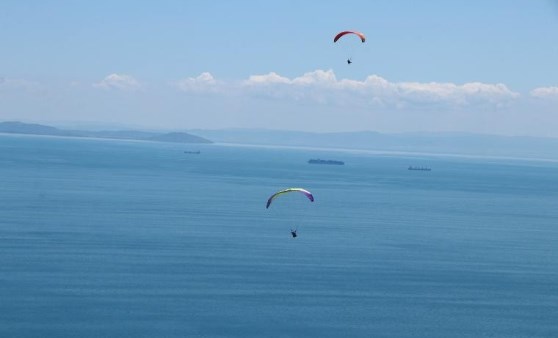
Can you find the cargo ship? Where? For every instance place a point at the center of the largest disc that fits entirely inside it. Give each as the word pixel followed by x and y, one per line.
pixel 319 161
pixel 419 168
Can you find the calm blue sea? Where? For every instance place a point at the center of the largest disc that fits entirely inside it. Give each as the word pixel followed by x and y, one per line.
pixel 106 238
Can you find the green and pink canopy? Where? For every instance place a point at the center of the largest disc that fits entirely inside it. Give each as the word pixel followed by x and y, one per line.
pixel 305 192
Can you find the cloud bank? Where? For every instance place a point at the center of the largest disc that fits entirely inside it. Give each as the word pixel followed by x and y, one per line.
pixel 322 86
pixel 316 100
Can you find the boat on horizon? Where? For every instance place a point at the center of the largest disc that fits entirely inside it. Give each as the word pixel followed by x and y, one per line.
pixel 197 152
pixel 419 168
pixel 320 161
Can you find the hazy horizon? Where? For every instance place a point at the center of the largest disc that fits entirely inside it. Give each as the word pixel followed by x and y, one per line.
pixel 100 126
pixel 448 144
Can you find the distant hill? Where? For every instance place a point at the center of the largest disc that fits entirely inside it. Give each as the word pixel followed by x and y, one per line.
pixel 38 129
pixel 119 134
pixel 179 138
pixel 14 127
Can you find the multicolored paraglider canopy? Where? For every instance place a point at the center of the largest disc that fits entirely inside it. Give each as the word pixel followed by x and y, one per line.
pixel 307 193
pixel 341 34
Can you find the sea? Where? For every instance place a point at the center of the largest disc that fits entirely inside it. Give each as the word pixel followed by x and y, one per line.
pixel 113 238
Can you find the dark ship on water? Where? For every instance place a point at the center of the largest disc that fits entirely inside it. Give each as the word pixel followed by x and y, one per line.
pixel 320 161
pixel 419 168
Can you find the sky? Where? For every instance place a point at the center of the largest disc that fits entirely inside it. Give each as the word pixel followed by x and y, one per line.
pixel 426 66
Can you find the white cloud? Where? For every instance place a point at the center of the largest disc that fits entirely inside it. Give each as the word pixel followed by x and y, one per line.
pixel 324 86
pixel 465 94
pixel 317 78
pixel 310 86
pixel 545 92
pixel 271 78
pixel 205 82
pixel 119 81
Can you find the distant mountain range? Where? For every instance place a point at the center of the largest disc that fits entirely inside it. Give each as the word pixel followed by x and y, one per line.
pixel 38 129
pixel 434 143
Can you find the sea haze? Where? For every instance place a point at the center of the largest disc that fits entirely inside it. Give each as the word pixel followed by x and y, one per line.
pixel 113 238
pixel 435 143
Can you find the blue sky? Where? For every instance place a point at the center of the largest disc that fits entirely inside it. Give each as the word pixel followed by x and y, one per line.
pixel 477 66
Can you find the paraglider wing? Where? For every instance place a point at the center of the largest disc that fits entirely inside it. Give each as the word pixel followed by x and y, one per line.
pixel 306 193
pixel 360 35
